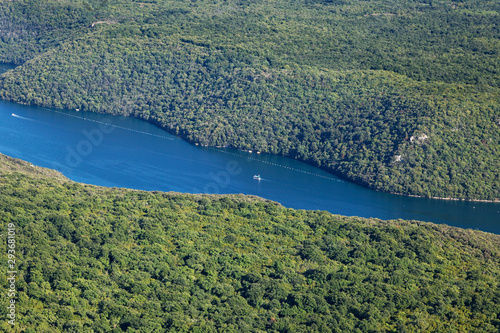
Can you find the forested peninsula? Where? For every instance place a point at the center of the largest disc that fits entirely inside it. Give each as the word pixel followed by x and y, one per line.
pixel 400 96
pixel 96 259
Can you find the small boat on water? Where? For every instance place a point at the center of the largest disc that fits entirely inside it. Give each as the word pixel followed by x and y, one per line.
pixel 257 177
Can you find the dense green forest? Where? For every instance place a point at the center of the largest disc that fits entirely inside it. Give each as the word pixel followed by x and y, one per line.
pixel 95 259
pixel 400 96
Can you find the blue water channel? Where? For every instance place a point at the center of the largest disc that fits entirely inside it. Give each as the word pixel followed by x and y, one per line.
pixel 125 152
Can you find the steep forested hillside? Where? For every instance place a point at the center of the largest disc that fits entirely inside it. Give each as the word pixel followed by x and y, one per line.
pixel 94 259
pixel 402 96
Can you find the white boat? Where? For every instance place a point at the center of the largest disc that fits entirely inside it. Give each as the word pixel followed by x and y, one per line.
pixel 257 177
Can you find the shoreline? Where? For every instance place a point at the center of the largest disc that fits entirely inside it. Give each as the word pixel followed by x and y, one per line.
pixel 184 137
pixel 446 198
pixel 254 151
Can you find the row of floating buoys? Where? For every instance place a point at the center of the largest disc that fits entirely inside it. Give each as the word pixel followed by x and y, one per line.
pixel 117 126
pixel 278 165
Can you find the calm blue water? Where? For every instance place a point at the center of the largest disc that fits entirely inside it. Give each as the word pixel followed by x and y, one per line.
pixel 125 152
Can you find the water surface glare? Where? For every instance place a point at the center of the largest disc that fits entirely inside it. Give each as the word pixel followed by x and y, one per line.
pixel 124 152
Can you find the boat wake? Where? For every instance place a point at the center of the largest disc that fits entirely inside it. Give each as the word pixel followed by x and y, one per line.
pixel 260 179
pixel 21 117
